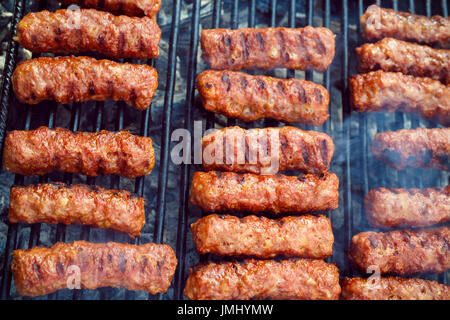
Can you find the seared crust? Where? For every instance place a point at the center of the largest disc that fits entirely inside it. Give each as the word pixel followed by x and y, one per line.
pixel 394 288
pixel 403 252
pixel 378 23
pixel 72 31
pixel 268 48
pixel 248 97
pixel 414 59
pixel 137 8
pixel 229 191
pixel 267 150
pixel 418 148
pixel 77 79
pixel 390 208
pixel 40 270
pixel 44 150
pixel 394 91
pixel 264 279
pixel 117 210
pixel 306 236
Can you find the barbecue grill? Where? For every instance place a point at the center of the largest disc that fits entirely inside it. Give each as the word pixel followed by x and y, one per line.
pixel 176 105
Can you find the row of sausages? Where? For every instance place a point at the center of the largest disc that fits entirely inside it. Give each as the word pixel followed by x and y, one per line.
pixel 399 75
pixel 41 270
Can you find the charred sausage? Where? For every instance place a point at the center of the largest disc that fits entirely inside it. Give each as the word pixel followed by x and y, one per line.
pixel 409 58
pixel 418 148
pixel 72 31
pixel 378 23
pixel 40 270
pixel 307 236
pixel 248 97
pixel 117 210
pixel 403 252
pixel 264 279
pixel 394 91
pixel 390 208
pixel 267 150
pixel 229 191
pixel 268 48
pixel 77 79
pixel 44 150
pixel 394 288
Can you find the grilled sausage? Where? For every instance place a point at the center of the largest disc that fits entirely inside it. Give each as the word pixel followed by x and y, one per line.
pixel 117 210
pixel 247 97
pixel 77 79
pixel 137 8
pixel 394 288
pixel 44 150
pixel 414 59
pixel 306 236
pixel 378 23
pixel 229 191
pixel 267 150
pixel 40 270
pixel 418 148
pixel 72 31
pixel 268 48
pixel 264 279
pixel 394 91
pixel 390 208
pixel 403 252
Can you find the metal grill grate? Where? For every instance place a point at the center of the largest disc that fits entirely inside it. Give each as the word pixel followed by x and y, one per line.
pixel 357 169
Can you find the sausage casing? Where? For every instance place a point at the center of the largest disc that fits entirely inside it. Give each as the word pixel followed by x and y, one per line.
pixel 378 23
pixel 390 208
pixel 403 252
pixel 418 148
pixel 78 79
pixel 44 150
pixel 306 236
pixel 264 279
pixel 394 91
pixel 40 270
pixel 117 210
pixel 267 150
pixel 248 97
pixel 72 31
pixel 268 48
pixel 394 288
pixel 229 191
pixel 414 59
pixel 137 8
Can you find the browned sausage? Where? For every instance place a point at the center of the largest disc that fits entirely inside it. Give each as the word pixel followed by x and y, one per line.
pixel 44 150
pixel 229 191
pixel 248 97
pixel 77 79
pixel 264 279
pixel 72 31
pixel 378 23
pixel 267 150
pixel 148 267
pixel 394 91
pixel 403 252
pixel 414 59
pixel 117 210
pixel 268 48
pixel 418 148
pixel 390 208
pixel 394 288
pixel 129 7
pixel 306 236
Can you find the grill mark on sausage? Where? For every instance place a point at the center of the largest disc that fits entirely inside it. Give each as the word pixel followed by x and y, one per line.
pixel 122 262
pixel 226 79
pixel 260 40
pixel 60 269
pixel 324 151
pixel 101 39
pixel 244 46
pixel 282 43
pixel 243 82
pixel 121 43
pixel 261 83
pixel 302 94
pixel 91 88
pixel 320 46
pixel 37 270
pixel 318 94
